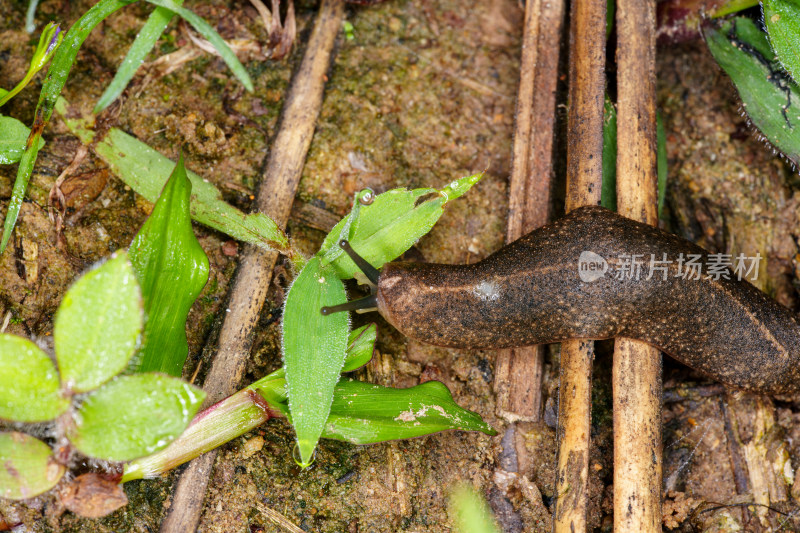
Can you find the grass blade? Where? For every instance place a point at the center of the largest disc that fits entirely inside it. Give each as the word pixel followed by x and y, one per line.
pixel 156 23
pixel 204 29
pixel 62 62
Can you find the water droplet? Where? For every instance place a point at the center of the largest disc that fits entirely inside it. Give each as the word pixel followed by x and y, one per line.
pixel 298 458
pixel 366 196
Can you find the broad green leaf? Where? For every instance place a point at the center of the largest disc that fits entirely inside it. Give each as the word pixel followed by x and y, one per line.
pixel 363 413
pixel 146 171
pixel 769 96
pixel 390 225
pixel 62 62
pixel 205 29
pixel 608 192
pixel 313 350
pixel 133 416
pixel 470 512
pixel 172 269
pixel 27 466
pixel 782 18
pixel 13 136
pixel 145 40
pixel 29 387
pixel 97 325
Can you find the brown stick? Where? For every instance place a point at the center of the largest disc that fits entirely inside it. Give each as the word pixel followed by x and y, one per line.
pixel 636 369
pixel 518 372
pixel 275 194
pixel 584 179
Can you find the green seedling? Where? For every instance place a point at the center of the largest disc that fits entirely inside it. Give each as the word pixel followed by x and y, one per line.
pixel 48 43
pixel 115 418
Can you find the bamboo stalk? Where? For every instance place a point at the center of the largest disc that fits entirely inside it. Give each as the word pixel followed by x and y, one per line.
pixel 518 372
pixel 275 194
pixel 584 180
pixel 636 372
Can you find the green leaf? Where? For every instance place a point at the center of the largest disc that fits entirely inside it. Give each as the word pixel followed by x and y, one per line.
pixel 360 345
pixel 146 171
pixel 97 325
pixel 27 466
pixel 29 387
pixel 172 269
pixel 661 162
pixel 363 413
pixel 313 350
pixel 13 136
pixel 133 416
pixel 782 18
pixel 204 29
pixel 145 41
pixel 62 62
pixel 470 512
pixel 390 225
pixel 608 191
pixel 769 96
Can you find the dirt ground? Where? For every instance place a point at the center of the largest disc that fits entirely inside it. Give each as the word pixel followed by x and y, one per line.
pixel 423 93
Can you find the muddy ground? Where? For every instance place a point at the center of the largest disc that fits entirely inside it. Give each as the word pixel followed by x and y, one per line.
pixel 422 93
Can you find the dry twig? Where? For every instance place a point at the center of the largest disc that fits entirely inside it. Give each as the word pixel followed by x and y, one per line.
pixel 249 290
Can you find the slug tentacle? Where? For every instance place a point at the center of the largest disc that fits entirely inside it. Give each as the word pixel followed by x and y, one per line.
pixel 572 279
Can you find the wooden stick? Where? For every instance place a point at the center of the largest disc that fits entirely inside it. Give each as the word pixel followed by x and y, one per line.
pixel 518 372
pixel 636 372
pixel 584 180
pixel 275 194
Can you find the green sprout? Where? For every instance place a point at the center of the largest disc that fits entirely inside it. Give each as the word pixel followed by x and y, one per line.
pixel 48 43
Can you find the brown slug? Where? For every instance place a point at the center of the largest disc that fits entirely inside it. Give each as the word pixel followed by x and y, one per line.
pixel 531 292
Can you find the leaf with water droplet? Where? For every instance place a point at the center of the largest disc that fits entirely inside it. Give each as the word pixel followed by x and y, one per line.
pixel 172 269
pixel 769 96
pixel 30 390
pixel 314 348
pixel 27 466
pixel 134 416
pixel 97 325
pixel 390 225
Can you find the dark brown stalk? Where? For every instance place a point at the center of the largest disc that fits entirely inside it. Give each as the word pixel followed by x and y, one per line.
pixel 587 45
pixel 275 194
pixel 518 376
pixel 636 372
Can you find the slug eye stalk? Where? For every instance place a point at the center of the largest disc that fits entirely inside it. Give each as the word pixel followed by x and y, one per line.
pixel 361 305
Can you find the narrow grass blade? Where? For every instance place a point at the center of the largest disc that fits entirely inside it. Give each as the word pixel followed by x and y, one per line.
pixel 769 96
pixel 133 416
pixel 62 62
pixel 97 325
pixel 145 40
pixel 172 269
pixel 204 29
pixel 314 348
pixel 30 390
pixel 608 191
pixel 27 466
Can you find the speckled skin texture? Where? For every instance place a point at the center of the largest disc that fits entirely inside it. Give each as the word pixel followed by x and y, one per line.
pixel 530 292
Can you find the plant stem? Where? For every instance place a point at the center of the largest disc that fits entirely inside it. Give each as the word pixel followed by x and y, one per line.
pixel 584 185
pixel 213 427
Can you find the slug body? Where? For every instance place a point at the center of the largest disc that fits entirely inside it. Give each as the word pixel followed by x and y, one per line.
pixel 531 292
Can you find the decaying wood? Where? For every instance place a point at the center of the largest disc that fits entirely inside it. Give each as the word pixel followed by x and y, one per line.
pixel 587 46
pixel 249 290
pixel 636 371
